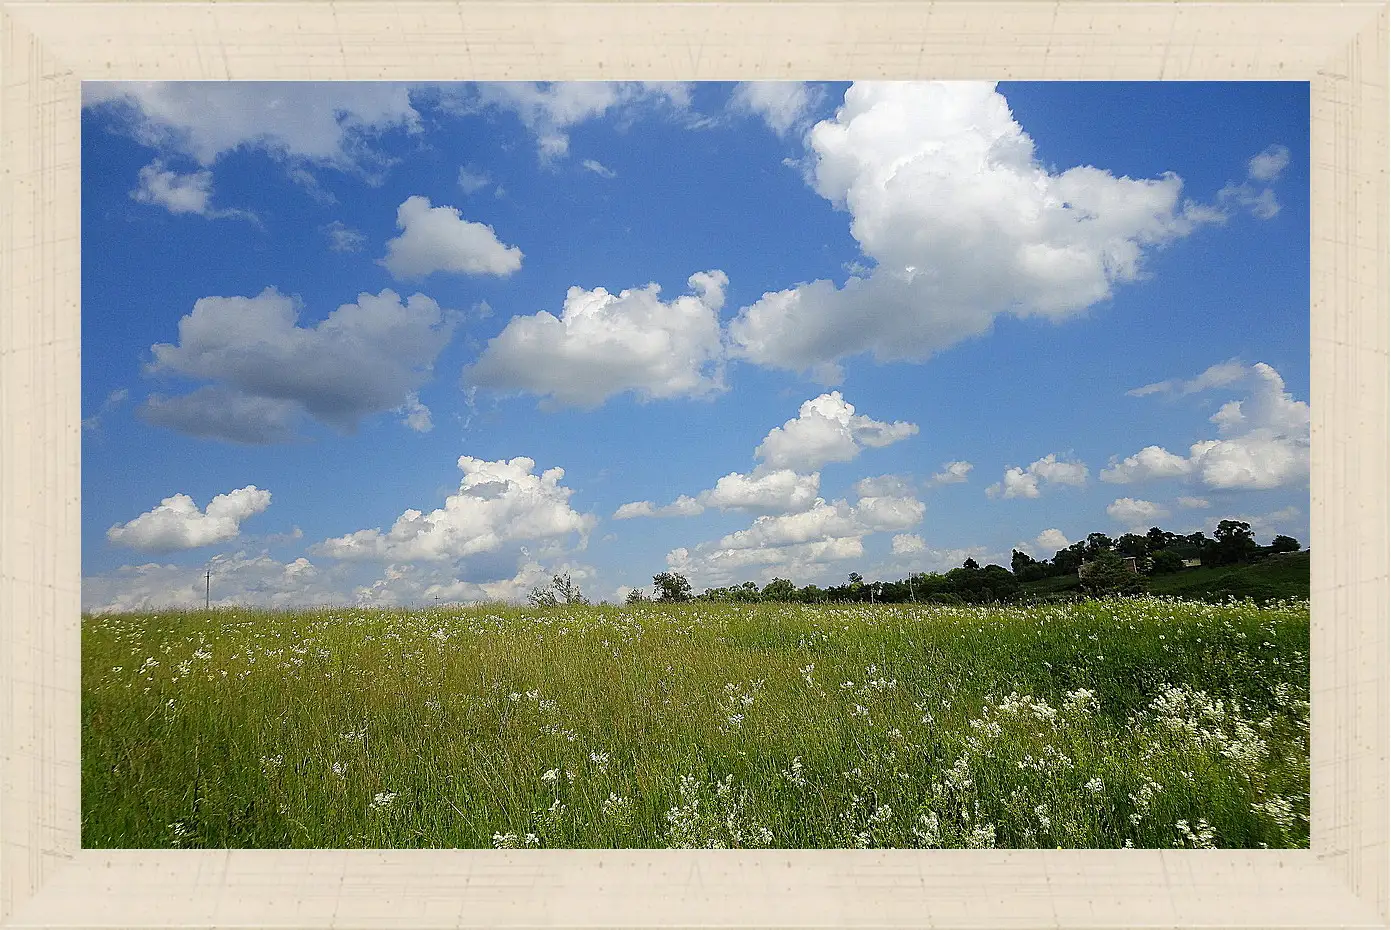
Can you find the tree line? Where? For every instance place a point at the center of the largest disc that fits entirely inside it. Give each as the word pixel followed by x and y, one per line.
pixel 1102 563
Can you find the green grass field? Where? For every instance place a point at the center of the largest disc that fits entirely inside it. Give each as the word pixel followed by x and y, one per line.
pixel 1148 722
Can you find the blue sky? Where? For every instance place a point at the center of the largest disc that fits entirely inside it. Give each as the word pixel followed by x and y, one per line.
pixel 382 343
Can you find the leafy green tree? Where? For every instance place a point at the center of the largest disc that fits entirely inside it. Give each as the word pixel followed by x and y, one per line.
pixel 1233 542
pixel 970 564
pixel 1284 544
pixel 636 596
pixel 562 590
pixel 1097 543
pixel 1165 562
pixel 672 586
pixel 1109 574
pixel 779 589
pixel 1131 544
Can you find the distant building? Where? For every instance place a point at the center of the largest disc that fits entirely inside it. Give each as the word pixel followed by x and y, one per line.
pixel 1192 563
pixel 1129 561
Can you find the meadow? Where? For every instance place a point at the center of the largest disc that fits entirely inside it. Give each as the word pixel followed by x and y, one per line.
pixel 1145 722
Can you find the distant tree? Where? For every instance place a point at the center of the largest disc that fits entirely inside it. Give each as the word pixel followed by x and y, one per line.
pixel 561 591
pixel 1284 544
pixel 1156 539
pixel 1165 562
pixel 779 589
pixel 970 564
pixel 1131 544
pixel 811 594
pixel 1018 561
pixel 1097 543
pixel 672 586
pixel 1109 574
pixel 636 596
pixel 1233 542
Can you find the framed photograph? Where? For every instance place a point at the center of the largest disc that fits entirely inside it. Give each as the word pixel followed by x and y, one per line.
pixel 723 464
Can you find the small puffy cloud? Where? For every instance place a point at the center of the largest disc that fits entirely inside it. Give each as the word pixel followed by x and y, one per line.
pixel 1264 444
pixel 827 429
pixel 1193 503
pixel 177 523
pixel 1024 481
pixel 439 239
pixel 774 491
pixel 1261 204
pixel 959 223
pixel 590 164
pixel 328 123
pixel 604 344
pixel 416 416
pixel 1149 462
pixel 186 193
pixel 1222 374
pixel 1135 513
pixel 908 544
pixel 472 180
pixel 497 503
pixel 952 473
pixel 783 105
pixel 763 491
pixel 366 357
pixel 1268 165
pixel 683 506
pixel 343 238
pixel 1050 541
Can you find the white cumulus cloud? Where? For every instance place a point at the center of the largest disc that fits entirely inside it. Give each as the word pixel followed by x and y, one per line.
pixel 953 473
pixel 181 193
pixel 605 344
pixel 1135 514
pixel 497 503
pixel 961 222
pixel 1019 481
pixel 177 523
pixel 827 429
pixel 364 358
pixel 439 239
pixel 1264 440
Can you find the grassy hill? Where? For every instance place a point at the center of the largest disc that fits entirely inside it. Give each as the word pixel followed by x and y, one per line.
pixel 1279 576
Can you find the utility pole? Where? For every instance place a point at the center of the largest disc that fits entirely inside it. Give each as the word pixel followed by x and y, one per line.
pixel 207 589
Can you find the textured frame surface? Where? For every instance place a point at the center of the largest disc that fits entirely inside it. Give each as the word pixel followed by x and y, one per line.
pixel 47 48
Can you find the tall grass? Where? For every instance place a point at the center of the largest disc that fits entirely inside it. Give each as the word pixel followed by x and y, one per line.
pixel 1147 722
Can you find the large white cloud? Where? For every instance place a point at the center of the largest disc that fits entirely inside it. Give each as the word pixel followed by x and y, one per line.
pixel 962 222
pixel 827 429
pixel 177 523
pixel 364 358
pixel 439 239
pixel 1021 481
pixel 325 122
pixel 1264 439
pixel 497 503
pixel 604 344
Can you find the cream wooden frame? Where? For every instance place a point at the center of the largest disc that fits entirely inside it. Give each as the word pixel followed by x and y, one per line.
pixel 47 47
